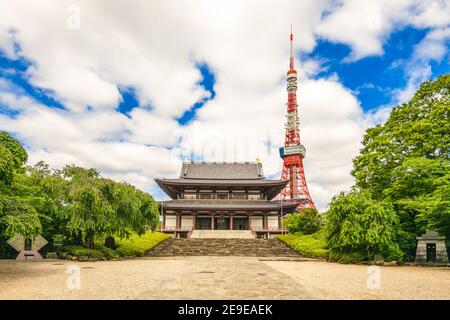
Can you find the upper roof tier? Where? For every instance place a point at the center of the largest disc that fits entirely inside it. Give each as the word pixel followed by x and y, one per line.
pixel 221 176
pixel 223 171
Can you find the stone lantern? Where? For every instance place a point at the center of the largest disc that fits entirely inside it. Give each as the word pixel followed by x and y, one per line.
pixel 431 249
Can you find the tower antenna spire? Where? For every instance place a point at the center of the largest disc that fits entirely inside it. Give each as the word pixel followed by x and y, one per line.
pixel 291 62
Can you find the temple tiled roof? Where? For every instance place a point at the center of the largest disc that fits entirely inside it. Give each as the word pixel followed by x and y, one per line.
pixel 217 170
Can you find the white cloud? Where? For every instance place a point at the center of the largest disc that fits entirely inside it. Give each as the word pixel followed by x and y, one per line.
pixel 432 48
pixel 364 25
pixel 153 48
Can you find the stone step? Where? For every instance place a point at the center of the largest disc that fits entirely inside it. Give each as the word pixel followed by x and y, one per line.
pixel 222 247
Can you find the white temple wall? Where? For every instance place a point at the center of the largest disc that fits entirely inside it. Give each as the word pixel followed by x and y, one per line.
pixel 256 222
pixel 171 221
pixel 272 222
pixel 187 221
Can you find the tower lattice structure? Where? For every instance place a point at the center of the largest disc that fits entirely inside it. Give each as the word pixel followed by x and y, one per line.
pixel 293 151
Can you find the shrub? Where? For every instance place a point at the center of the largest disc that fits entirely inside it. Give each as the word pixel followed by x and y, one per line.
pixel 307 221
pixel 127 251
pixel 79 251
pixel 346 257
pixel 357 223
pixel 407 243
pixel 107 252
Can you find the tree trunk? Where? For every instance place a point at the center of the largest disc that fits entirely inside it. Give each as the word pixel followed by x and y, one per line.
pixel 89 240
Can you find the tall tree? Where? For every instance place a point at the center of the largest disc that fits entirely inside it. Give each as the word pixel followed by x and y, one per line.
pixel 134 209
pixel 87 211
pixel 17 215
pixel 407 160
pixel 419 128
pixel 96 207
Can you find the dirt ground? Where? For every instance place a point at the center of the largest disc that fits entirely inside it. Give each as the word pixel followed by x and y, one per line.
pixel 218 278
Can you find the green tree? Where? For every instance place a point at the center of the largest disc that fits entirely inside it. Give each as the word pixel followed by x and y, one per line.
pixel 87 212
pixel 12 158
pixel 437 214
pixel 406 161
pixel 98 207
pixel 417 129
pixel 17 215
pixel 357 223
pixel 134 209
pixel 76 202
pixel 307 221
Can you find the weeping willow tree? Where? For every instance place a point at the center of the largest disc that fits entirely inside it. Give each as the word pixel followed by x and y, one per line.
pixel 97 207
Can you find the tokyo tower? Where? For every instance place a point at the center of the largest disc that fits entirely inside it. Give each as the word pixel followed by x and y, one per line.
pixel 293 151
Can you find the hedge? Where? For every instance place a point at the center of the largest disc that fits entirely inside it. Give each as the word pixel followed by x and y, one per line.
pixel 311 245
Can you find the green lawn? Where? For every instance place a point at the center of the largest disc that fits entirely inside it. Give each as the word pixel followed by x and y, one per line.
pixel 139 245
pixel 311 245
pixel 315 246
pixel 135 245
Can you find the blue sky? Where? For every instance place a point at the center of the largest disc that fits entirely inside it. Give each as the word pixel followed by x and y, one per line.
pixel 83 84
pixel 373 79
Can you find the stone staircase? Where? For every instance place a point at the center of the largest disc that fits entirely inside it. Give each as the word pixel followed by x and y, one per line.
pixel 222 234
pixel 222 247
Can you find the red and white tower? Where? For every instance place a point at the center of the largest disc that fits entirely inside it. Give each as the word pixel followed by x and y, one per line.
pixel 293 151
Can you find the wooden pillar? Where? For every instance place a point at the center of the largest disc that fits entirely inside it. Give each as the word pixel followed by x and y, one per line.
pixel 266 226
pixel 280 227
pixel 265 221
pixel 194 220
pixel 212 222
pixel 231 221
pixel 249 221
pixel 178 221
pixel 163 227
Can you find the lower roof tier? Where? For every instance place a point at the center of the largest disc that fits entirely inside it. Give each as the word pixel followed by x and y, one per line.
pixel 224 205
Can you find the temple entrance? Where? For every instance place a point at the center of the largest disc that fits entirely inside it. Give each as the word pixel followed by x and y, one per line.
pixel 431 252
pixel 222 223
pixel 203 223
pixel 240 223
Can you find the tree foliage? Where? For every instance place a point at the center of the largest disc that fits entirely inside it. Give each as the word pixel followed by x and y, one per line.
pixel 357 223
pixel 406 161
pixel 417 129
pixel 99 207
pixel 12 158
pixel 307 221
pixel 74 201
pixel 17 215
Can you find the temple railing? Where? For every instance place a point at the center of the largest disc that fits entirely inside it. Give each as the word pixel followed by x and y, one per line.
pixel 255 229
pixel 172 228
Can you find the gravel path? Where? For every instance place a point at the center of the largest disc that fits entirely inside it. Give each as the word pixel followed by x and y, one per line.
pixel 217 278
pixel 326 280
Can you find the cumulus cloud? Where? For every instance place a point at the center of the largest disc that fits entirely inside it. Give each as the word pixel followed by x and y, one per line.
pixel 432 48
pixel 82 52
pixel 364 25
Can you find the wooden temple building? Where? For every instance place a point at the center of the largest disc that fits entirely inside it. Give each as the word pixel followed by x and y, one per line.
pixel 223 196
